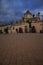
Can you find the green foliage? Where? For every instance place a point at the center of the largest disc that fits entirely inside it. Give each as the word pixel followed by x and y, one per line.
pixel 29 22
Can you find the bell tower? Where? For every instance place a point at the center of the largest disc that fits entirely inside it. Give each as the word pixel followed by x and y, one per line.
pixel 38 16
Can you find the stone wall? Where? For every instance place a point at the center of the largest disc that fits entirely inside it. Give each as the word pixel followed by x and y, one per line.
pixel 12 29
pixel 38 26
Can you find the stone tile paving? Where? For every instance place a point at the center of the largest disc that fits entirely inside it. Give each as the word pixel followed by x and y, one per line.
pixel 21 49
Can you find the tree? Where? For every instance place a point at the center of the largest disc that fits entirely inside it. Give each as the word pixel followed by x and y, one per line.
pixel 29 22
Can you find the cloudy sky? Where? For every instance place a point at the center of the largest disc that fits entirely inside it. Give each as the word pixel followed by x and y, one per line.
pixel 14 9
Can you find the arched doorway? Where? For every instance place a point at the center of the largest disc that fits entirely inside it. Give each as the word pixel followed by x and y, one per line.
pixel 20 30
pixel 16 30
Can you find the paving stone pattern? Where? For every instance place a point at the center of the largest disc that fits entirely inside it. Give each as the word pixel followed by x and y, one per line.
pixel 21 49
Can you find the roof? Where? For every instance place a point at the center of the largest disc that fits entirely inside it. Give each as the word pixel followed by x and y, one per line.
pixel 28 12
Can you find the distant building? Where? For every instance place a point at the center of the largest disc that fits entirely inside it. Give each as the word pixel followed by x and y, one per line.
pixel 35 21
pixel 28 16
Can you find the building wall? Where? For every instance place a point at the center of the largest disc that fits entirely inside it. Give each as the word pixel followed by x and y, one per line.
pixel 12 29
pixel 38 26
pixel 27 16
pixel 22 26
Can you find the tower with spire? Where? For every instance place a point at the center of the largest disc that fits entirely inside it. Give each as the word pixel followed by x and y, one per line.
pixel 27 15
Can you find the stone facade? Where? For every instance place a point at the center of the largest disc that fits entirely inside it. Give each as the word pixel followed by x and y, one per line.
pixel 23 24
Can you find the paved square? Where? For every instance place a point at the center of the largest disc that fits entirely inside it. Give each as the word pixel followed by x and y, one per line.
pixel 21 49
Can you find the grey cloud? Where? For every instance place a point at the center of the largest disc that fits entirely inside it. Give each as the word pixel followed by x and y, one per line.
pixel 14 8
